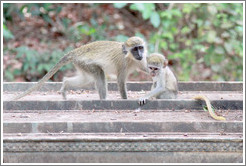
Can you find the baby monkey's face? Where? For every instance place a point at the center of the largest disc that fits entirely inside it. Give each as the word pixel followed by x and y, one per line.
pixel 154 70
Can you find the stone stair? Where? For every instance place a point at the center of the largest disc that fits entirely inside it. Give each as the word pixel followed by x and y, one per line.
pixel 43 128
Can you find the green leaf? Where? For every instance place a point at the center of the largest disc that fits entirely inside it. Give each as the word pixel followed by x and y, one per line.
pixel 17 72
pixel 119 5
pixel 212 9
pixel 25 66
pixel 155 19
pixel 228 47
pixel 7 33
pixel 211 36
pixel 219 50
pixel 164 45
pixel 139 6
pixel 166 14
pixel 176 12
pixel 167 35
pixel 205 108
pixel 148 9
pixel 21 51
pixel 216 68
pixel 58 9
pixel 47 18
pixel 185 30
pixel 187 8
pixel 9 75
pixel 146 15
pixel 46 6
pixel 65 22
pixel 175 56
pixel 140 35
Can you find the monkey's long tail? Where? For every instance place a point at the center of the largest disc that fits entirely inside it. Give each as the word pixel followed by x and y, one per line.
pixel 211 112
pixel 63 61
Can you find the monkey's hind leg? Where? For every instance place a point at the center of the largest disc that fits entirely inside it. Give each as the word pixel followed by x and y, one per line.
pixel 168 95
pixel 97 74
pixel 101 83
pixel 80 80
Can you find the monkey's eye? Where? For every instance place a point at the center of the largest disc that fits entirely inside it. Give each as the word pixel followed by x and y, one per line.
pixel 140 47
pixel 135 49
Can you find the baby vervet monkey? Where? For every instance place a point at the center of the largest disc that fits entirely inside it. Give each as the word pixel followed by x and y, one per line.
pixel 165 85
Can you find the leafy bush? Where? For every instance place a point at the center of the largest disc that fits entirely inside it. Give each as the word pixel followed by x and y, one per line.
pixel 203 41
pixel 207 36
pixel 34 64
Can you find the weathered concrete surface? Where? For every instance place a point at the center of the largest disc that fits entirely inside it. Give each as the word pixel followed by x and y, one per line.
pixel 31 148
pixel 121 121
pixel 134 86
pixel 84 127
pixel 115 95
pixel 126 144
pixel 42 128
pixel 119 105
pixel 123 157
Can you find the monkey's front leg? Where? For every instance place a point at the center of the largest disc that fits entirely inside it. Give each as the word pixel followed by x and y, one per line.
pixel 122 85
pixel 155 92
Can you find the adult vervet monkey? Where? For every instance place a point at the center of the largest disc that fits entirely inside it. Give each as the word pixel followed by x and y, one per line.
pixel 96 59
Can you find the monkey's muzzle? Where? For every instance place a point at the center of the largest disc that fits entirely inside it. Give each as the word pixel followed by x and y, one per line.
pixel 139 58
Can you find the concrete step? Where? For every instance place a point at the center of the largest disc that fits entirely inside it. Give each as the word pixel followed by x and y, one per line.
pixel 220 94
pixel 122 147
pixel 120 105
pixel 44 128
pixel 134 86
pixel 121 121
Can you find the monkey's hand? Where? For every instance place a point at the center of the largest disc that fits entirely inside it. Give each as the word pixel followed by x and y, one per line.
pixel 142 100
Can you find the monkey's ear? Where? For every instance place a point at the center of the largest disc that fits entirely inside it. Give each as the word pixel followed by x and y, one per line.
pixel 165 63
pixel 124 49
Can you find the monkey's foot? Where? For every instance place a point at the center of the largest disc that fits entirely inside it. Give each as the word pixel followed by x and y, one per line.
pixel 64 95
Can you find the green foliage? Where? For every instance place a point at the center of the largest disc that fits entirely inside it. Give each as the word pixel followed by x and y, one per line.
pixel 80 30
pixel 10 9
pixel 155 19
pixel 38 9
pixel 41 9
pixel 34 9
pixel 195 37
pixel 210 34
pixel 35 64
pixel 198 34
pixel 147 10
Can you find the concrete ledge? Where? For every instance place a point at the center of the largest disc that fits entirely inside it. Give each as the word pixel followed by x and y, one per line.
pixel 122 144
pixel 120 105
pixel 123 157
pixel 133 86
pixel 128 149
pixel 117 127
